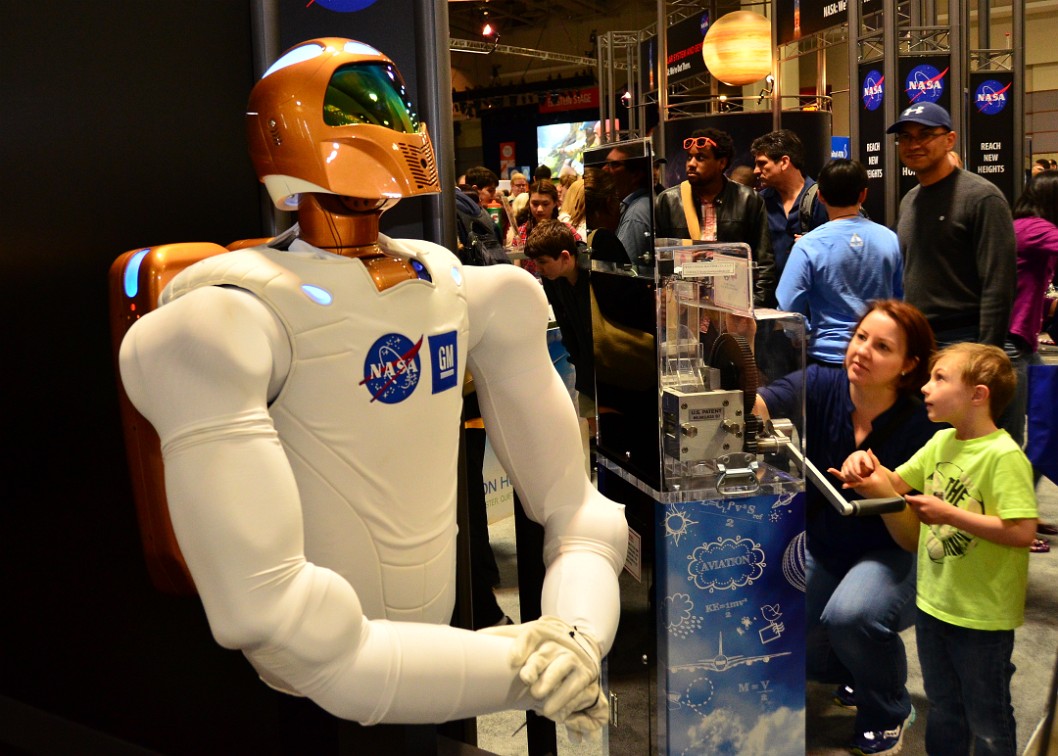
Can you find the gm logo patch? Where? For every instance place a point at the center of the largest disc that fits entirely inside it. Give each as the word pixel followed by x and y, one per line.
pixel 391 368
pixel 445 361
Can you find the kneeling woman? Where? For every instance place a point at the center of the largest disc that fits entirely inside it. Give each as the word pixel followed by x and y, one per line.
pixel 860 584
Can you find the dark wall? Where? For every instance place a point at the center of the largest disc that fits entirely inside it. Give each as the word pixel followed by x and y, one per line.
pixel 813 128
pixel 375 25
pixel 122 126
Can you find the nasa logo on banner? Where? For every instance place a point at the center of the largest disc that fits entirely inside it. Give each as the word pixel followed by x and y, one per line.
pixel 873 90
pixel 392 368
pixel 925 83
pixel 991 97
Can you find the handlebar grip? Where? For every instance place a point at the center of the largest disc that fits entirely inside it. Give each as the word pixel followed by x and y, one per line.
pixel 865 507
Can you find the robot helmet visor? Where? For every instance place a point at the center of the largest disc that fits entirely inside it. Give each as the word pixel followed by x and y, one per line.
pixel 369 93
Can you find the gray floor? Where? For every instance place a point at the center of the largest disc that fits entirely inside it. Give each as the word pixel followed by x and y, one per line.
pixel 829 727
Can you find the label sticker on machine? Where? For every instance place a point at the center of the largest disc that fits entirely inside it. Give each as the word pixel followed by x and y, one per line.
pixel 634 557
pixel 708 269
pixel 705 413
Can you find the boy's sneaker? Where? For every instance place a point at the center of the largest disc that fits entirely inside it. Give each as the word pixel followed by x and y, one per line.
pixel 882 742
pixel 845 697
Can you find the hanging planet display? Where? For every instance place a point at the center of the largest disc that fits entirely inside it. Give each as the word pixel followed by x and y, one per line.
pixel 737 48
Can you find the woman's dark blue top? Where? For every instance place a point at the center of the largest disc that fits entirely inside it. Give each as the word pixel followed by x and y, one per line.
pixel 836 541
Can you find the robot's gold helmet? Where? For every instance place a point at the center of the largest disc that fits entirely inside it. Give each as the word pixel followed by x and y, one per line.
pixel 333 115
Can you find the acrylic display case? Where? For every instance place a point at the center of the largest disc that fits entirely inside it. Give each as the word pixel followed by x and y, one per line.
pixel 710 655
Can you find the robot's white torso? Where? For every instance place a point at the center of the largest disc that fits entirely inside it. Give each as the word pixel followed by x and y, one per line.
pixel 309 432
pixel 374 462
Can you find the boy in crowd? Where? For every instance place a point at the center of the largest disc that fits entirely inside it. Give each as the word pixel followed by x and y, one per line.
pixel 552 247
pixel 972 529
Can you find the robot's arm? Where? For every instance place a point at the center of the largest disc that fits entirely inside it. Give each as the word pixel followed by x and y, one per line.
pixel 202 369
pixel 533 428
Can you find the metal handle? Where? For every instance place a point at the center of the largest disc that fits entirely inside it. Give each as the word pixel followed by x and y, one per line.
pixel 857 508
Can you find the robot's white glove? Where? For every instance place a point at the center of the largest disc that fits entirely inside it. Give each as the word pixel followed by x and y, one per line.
pixel 587 722
pixel 562 668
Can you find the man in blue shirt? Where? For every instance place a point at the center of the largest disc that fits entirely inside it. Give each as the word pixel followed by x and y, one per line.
pixel 778 164
pixel 836 269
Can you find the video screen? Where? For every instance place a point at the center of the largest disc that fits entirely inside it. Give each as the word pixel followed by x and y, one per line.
pixel 560 146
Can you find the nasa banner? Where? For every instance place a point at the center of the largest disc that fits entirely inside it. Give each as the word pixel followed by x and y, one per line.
pixel 800 18
pixel 872 135
pixel 922 79
pixel 685 47
pixel 990 147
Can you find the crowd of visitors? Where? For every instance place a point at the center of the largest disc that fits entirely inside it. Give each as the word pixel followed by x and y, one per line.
pixel 884 412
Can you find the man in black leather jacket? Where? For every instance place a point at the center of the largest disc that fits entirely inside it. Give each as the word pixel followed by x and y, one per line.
pixel 710 207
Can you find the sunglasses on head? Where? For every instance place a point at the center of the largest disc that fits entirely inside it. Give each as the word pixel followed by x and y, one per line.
pixel 700 142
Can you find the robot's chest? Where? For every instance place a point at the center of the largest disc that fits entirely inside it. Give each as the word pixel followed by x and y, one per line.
pixel 385 356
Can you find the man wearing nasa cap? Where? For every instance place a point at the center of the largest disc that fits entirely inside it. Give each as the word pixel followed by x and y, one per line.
pixel 957 238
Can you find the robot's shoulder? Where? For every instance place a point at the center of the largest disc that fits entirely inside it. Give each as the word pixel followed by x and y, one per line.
pixel 426 252
pixel 252 269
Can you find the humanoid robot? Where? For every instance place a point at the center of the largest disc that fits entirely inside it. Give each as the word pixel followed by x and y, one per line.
pixel 307 397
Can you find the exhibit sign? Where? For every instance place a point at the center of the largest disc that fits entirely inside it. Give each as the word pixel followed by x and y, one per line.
pixel 800 18
pixel 685 48
pixel 508 161
pixel 872 142
pixel 648 66
pixel 922 79
pixel 731 595
pixel 990 143
pixel 574 99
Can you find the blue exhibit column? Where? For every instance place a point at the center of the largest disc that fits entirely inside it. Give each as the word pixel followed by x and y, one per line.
pixel 731 618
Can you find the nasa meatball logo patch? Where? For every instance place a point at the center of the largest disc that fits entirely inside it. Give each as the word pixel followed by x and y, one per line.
pixel 392 368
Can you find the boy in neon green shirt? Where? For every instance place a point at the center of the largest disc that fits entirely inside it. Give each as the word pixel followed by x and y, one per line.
pixel 972 528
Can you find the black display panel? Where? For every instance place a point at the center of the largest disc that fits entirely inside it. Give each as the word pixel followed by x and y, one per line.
pixel 990 147
pixel 870 109
pixel 800 18
pixel 924 78
pixel 813 127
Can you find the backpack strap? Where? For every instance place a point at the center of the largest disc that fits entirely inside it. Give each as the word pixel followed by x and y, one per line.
pixel 690 210
pixel 804 209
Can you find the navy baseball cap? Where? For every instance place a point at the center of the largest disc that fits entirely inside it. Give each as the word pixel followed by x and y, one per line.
pixel 925 113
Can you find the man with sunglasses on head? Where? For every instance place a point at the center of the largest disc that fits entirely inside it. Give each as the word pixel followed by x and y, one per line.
pixel 710 207
pixel 956 235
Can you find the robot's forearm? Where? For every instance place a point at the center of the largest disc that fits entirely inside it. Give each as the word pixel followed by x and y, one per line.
pixel 300 624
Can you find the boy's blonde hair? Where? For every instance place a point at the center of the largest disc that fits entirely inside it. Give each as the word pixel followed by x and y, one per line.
pixel 985 365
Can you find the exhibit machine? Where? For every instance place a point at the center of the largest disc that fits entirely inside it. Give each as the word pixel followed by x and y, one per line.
pixel 710 654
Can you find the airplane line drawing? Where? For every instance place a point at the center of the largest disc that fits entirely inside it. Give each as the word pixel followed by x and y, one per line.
pixel 722 662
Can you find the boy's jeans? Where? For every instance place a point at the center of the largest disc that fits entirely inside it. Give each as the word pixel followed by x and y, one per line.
pixel 967 679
